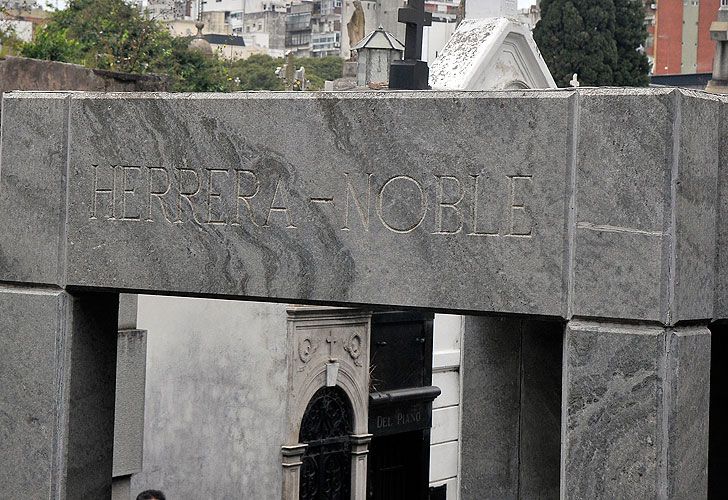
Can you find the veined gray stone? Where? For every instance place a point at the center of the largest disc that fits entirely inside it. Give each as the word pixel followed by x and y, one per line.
pixel 377 198
pixel 296 198
pixel 57 364
pixel 635 417
pixel 722 267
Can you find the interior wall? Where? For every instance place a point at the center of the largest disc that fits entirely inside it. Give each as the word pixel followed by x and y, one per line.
pixel 511 408
pixel 215 398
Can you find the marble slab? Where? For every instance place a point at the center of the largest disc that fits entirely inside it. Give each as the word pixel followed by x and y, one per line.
pixel 613 411
pixel 599 203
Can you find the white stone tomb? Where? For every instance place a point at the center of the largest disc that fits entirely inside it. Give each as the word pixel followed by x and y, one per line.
pixel 490 54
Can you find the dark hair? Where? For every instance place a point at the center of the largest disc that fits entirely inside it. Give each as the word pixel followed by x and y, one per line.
pixel 151 495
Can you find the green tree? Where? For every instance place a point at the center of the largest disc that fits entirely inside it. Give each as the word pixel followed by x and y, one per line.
pixel 114 35
pixel 257 72
pixel 325 68
pixel 631 33
pixel 53 45
pixel 192 71
pixel 597 39
pixel 106 34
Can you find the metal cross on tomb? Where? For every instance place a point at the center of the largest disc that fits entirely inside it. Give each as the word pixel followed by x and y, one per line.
pixel 411 73
pixel 415 17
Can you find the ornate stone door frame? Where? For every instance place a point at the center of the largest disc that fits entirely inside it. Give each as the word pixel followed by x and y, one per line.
pixel 327 346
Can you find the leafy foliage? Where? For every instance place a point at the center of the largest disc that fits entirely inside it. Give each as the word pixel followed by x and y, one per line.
pixel 631 33
pixel 598 39
pixel 114 35
pixel 321 68
pixel 106 34
pixel 257 72
pixel 192 71
pixel 9 42
pixel 53 45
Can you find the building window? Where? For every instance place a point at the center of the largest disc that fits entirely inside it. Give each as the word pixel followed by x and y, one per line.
pixel 297 39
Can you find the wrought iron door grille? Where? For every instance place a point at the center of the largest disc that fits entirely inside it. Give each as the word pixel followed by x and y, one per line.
pixel 326 427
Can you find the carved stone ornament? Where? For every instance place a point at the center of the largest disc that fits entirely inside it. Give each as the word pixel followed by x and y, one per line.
pixel 306 349
pixel 353 347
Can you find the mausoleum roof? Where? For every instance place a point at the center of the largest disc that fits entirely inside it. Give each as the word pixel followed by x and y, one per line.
pixel 379 39
pixel 490 53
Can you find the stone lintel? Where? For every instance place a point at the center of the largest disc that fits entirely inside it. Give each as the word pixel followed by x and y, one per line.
pixel 595 202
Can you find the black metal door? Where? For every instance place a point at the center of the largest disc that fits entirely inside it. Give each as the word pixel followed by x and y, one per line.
pixel 326 427
pixel 395 468
pixel 400 408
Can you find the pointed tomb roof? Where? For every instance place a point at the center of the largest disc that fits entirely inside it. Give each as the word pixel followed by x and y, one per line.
pixel 490 54
pixel 379 39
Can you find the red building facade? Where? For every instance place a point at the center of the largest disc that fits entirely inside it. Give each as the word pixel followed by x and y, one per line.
pixel 679 39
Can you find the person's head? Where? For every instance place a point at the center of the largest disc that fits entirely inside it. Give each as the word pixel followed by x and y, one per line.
pixel 151 495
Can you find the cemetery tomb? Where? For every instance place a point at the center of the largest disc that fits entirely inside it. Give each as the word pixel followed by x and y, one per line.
pixel 596 214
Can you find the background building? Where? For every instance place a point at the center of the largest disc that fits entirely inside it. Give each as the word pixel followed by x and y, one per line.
pixel 326 28
pixel 265 29
pixel 492 8
pixel 211 425
pixel 368 15
pixel 298 29
pixel 679 40
pixel 167 10
pixel 22 18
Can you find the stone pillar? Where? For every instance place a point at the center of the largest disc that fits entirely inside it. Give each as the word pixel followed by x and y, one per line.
pixel 292 461
pixel 359 451
pixel 718 446
pixel 131 358
pixel 635 411
pixel 511 407
pixel 58 368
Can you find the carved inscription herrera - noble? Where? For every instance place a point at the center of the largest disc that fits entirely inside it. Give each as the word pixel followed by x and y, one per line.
pixel 479 204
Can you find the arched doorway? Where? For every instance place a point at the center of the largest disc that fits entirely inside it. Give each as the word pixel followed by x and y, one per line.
pixel 326 428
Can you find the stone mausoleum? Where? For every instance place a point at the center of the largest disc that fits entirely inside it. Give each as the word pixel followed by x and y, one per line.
pixel 581 232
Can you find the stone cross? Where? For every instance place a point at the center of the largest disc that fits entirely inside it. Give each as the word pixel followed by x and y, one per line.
pixel 331 341
pixel 415 17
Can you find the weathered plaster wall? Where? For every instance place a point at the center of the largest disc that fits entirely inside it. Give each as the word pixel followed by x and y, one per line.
pixel 215 398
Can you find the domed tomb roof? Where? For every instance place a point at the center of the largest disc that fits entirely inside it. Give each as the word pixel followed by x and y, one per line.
pixel 198 43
